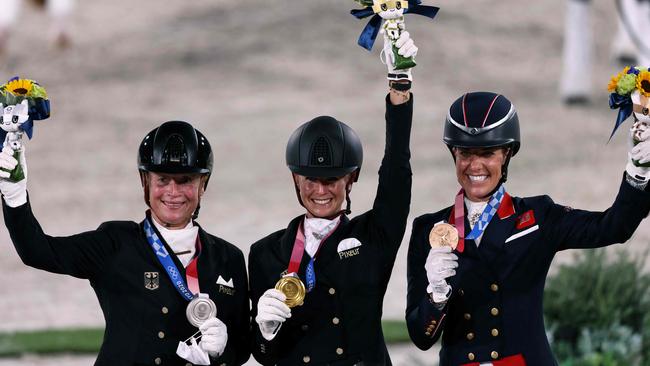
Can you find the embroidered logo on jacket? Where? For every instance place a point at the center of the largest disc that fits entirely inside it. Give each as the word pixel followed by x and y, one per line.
pixel 525 220
pixel 348 248
pixel 226 287
pixel 151 280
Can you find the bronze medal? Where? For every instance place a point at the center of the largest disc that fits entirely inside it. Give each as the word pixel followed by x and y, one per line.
pixel 443 235
pixel 293 288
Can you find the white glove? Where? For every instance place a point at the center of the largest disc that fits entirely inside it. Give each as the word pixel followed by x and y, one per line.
pixel 405 47
pixel 440 265
pixel 640 152
pixel 214 336
pixel 193 352
pixel 15 193
pixel 271 313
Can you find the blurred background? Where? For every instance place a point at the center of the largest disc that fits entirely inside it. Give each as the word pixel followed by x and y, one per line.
pixel 247 73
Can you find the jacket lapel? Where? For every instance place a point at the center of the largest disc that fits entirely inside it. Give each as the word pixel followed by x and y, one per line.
pixel 287 239
pixel 498 230
pixel 287 242
pixel 494 236
pixel 209 270
pixel 502 261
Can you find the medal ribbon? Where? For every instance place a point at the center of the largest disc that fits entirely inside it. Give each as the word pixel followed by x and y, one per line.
pixel 458 216
pixel 165 259
pixel 488 212
pixel 299 249
pixel 192 272
pixel 459 223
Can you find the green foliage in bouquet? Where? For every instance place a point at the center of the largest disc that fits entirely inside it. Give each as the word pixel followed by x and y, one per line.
pixel 597 311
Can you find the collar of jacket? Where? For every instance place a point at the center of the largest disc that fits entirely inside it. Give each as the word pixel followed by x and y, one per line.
pixel 289 237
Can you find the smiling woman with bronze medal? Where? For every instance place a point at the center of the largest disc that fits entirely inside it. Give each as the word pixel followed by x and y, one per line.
pixel 476 269
pixel 158 280
pixel 310 281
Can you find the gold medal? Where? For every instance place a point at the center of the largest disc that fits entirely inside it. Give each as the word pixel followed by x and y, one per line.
pixel 443 235
pixel 293 288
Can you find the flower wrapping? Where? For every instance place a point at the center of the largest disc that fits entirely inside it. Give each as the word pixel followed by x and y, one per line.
pixel 623 86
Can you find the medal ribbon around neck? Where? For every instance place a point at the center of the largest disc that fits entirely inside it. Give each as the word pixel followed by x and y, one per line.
pixel 458 215
pixel 192 271
pixel 168 263
pixel 299 249
pixel 488 212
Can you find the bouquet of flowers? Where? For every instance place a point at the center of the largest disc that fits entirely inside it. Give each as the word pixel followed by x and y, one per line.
pixel 21 102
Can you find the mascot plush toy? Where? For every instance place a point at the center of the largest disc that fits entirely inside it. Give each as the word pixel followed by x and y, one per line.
pixel 391 12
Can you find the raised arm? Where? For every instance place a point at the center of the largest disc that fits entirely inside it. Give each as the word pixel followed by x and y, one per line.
pixel 584 229
pixel 81 255
pixel 391 206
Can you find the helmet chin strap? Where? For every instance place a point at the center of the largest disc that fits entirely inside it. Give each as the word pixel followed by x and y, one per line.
pixel 504 172
pixel 348 202
pixel 504 167
pixel 145 185
pixel 195 215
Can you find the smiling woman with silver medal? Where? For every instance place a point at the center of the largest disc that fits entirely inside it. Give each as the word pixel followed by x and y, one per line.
pixel 159 280
pixel 476 270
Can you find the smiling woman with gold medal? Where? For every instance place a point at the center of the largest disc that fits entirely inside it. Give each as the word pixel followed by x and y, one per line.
pixel 317 286
pixel 476 269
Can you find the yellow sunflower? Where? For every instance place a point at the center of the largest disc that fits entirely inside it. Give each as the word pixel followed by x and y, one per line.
pixel 611 87
pixel 20 86
pixel 643 83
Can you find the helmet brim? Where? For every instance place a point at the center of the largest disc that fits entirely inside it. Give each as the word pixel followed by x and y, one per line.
pixel 322 172
pixel 173 170
pixel 514 145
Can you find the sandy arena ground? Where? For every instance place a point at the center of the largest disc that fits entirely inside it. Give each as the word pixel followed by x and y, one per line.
pixel 247 73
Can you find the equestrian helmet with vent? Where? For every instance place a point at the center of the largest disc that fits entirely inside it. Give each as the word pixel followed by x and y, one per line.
pixel 482 119
pixel 175 147
pixel 324 147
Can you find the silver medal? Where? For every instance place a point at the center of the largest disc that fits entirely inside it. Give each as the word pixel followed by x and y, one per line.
pixel 200 309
